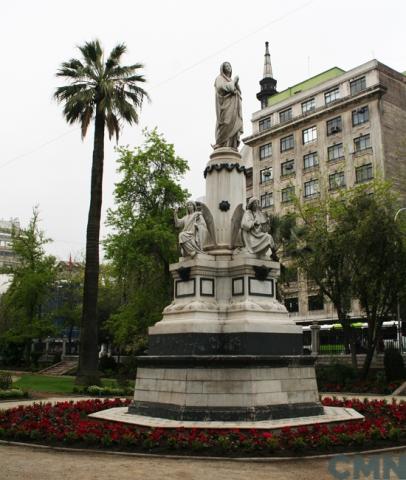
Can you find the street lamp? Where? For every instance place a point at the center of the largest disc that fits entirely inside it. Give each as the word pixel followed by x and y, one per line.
pixel 400 339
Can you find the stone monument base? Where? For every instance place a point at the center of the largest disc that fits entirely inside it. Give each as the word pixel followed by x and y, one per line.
pixel 330 415
pixel 226 387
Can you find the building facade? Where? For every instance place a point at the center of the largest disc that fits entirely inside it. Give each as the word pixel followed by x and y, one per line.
pixel 332 131
pixel 7 256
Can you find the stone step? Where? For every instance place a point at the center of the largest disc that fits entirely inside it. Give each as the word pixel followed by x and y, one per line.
pixel 60 368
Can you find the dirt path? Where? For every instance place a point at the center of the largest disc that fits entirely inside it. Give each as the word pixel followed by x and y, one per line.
pixel 18 463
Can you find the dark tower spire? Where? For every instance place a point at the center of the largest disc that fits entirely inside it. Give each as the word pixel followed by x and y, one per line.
pixel 268 83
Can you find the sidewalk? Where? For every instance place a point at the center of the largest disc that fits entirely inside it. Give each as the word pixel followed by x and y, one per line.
pixel 15 403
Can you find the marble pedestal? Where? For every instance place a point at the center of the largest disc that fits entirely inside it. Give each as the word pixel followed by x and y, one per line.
pixel 225 348
pixel 226 388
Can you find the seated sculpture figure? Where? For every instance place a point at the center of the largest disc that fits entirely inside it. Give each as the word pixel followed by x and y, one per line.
pixel 191 236
pixel 254 229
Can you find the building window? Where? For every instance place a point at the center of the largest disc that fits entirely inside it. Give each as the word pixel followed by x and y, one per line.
pixel 265 151
pixel 332 95
pixel 265 175
pixel 335 152
pixel 287 143
pixel 292 305
pixel 248 177
pixel 311 188
pixel 364 173
pixel 267 200
pixel 308 105
pixel 309 135
pixel 285 115
pixel 310 160
pixel 334 126
pixel 288 194
pixel 360 116
pixel 315 302
pixel 358 85
pixel 264 124
pixel 362 143
pixel 336 180
pixel 287 167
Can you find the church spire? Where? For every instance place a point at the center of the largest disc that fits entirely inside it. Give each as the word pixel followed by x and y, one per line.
pixel 267 62
pixel 268 83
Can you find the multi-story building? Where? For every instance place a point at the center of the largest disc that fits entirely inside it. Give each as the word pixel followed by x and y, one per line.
pixel 331 131
pixel 7 256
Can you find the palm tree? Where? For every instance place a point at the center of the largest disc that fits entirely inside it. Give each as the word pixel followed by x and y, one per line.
pixel 109 93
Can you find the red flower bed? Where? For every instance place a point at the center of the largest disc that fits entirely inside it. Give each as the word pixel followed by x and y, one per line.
pixel 67 423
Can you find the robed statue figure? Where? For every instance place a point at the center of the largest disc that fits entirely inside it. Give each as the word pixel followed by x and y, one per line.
pixel 255 228
pixel 228 109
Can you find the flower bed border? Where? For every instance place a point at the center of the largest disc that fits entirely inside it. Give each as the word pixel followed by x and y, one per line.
pixel 65 426
pixel 103 451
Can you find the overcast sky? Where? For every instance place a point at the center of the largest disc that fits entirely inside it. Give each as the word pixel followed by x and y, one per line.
pixel 182 44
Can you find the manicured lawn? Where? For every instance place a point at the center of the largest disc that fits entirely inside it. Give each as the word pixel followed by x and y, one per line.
pixel 51 384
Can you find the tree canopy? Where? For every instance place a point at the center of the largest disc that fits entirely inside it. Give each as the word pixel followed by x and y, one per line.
pixel 24 313
pixel 351 246
pixel 144 240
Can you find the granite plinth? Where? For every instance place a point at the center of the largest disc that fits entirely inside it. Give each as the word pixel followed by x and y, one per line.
pixel 231 387
pixel 330 415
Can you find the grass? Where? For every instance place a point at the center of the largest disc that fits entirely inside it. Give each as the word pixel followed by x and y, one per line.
pixel 52 384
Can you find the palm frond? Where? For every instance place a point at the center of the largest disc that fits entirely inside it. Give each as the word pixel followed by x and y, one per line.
pixel 113 126
pixel 68 91
pixel 85 118
pixel 112 88
pixel 92 52
pixel 115 55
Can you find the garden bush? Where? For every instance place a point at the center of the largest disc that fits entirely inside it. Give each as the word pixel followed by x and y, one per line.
pixel 394 366
pixel 107 364
pixel 336 374
pixel 12 393
pixel 5 381
pixel 95 390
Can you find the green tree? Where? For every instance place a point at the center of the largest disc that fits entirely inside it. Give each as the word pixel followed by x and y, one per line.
pixel 70 294
pixel 378 257
pixel 351 247
pixel 144 239
pixel 109 93
pixel 320 249
pixel 24 305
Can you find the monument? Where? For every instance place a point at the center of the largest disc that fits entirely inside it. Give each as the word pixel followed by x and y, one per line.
pixel 226 349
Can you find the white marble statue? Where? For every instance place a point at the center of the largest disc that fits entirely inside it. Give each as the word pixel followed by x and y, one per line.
pixel 254 229
pixel 228 109
pixel 192 235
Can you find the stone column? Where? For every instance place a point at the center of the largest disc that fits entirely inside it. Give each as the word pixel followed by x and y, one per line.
pixel 64 343
pixel 47 342
pixel 315 331
pixel 225 190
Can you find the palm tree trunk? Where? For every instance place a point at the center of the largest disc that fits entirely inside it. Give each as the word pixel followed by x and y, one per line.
pixel 88 350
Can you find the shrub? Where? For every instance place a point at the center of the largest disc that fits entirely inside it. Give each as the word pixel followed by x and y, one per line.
pixel 394 366
pixel 34 357
pixel 5 381
pixel 128 368
pixel 12 354
pixel 107 364
pixel 97 391
pixel 336 373
pixel 12 393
